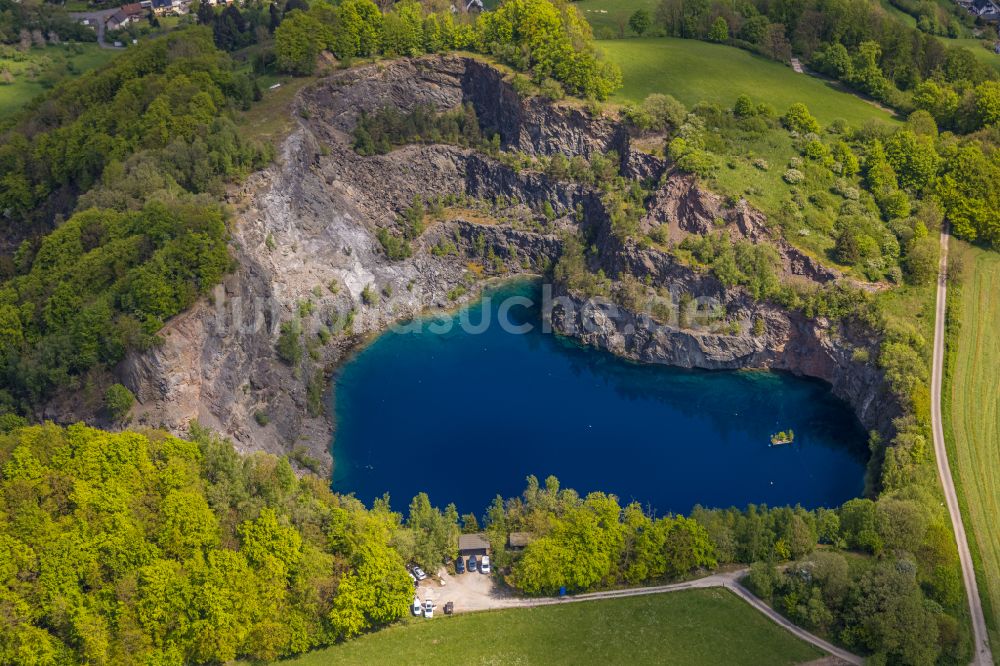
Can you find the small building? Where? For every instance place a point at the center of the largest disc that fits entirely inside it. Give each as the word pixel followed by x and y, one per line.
pixel 118 20
pixel 125 15
pixel 519 540
pixel 467 6
pixel 473 544
pixel 168 7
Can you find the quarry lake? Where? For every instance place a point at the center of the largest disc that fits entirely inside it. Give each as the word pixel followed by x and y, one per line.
pixel 466 416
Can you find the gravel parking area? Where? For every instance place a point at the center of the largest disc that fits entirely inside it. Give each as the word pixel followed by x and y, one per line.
pixel 469 592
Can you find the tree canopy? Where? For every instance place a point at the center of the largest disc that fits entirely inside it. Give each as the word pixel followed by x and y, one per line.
pixel 552 41
pixel 134 548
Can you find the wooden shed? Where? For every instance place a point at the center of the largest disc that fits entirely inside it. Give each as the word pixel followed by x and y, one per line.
pixel 518 540
pixel 473 544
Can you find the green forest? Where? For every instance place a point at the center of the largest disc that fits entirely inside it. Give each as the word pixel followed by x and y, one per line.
pixel 140 547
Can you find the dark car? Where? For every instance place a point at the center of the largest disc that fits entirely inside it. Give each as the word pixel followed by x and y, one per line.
pixel 460 565
pixel 473 565
pixel 449 608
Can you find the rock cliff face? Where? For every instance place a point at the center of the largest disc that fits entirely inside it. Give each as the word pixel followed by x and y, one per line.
pixel 304 239
pixel 787 342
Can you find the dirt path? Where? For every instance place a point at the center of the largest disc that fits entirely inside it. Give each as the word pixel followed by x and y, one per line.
pixel 982 655
pixel 472 592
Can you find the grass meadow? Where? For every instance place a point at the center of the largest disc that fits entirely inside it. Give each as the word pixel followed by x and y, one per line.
pixel 971 412
pixel 694 71
pixel 35 71
pixel 692 627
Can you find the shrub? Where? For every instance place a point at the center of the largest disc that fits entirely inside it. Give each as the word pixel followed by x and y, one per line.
pixel 798 119
pixel 894 204
pixel 289 349
pixel 395 248
pixel 816 150
pixel 314 394
pixel 551 89
pixel 369 296
pixel 300 455
pixel 744 107
pixel 793 176
pixel 118 400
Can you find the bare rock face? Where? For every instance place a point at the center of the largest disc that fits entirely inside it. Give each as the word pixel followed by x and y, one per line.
pixel 304 239
pixel 686 208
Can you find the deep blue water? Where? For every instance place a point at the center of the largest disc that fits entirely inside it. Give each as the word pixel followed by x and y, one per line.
pixel 465 417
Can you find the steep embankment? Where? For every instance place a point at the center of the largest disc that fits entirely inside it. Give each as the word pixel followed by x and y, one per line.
pixel 305 241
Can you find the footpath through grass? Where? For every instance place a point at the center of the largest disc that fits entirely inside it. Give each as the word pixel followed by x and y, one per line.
pixel 971 413
pixel 691 627
pixel 694 71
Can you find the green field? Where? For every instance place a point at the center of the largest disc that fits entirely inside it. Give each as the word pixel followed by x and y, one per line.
pixel 611 18
pixel 972 410
pixel 46 65
pixel 898 14
pixel 692 627
pixel 694 71
pixel 978 49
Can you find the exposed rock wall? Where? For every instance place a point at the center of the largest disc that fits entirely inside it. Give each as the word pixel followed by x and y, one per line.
pixel 687 208
pixel 789 342
pixel 304 238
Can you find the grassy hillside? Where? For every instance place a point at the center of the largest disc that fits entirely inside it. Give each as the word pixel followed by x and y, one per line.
pixel 691 627
pixel 972 410
pixel 693 71
pixel 978 48
pixel 899 14
pixel 51 63
pixel 610 17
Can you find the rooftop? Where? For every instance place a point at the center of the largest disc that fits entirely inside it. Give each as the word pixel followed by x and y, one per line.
pixel 473 542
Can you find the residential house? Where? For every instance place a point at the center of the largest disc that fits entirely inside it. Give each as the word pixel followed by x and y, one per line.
pixel 165 7
pixel 987 10
pixel 126 15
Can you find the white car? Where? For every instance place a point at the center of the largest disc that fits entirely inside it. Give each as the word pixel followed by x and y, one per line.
pixel 419 573
pixel 484 564
pixel 428 609
pixel 417 606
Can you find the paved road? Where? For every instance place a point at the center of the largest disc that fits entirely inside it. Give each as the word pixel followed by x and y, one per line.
pixel 729 581
pixel 97 19
pixel 983 656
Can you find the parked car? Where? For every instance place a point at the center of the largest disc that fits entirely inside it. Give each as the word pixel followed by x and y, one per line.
pixel 449 608
pixel 460 565
pixel 417 606
pixel 472 563
pixel 484 564
pixel 428 609
pixel 419 573
pixel 412 577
